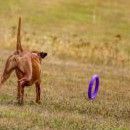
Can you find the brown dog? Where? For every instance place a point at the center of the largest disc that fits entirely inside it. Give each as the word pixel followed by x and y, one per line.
pixel 27 66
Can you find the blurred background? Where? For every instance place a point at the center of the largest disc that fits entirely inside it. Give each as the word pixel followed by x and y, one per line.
pixel 84 30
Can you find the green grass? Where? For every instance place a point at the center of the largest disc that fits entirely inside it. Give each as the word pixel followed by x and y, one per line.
pixel 64 99
pixel 81 40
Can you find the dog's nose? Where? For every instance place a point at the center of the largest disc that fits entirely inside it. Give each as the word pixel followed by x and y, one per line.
pixel 45 54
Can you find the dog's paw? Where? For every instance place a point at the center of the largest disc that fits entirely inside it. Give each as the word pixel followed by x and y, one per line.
pixel 38 102
pixel 20 103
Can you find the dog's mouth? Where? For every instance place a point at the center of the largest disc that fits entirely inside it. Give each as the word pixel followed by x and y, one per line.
pixel 45 54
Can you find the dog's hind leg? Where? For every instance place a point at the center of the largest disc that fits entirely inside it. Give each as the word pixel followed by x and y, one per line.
pixel 9 67
pixel 21 95
pixel 18 91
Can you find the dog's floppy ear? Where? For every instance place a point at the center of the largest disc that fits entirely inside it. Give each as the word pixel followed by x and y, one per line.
pixel 42 54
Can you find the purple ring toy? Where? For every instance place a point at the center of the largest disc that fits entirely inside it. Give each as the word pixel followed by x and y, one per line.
pixel 94 94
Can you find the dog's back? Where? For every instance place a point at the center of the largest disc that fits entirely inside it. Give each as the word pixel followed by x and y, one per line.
pixel 29 64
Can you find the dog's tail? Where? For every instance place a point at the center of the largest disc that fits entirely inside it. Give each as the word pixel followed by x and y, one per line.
pixel 19 47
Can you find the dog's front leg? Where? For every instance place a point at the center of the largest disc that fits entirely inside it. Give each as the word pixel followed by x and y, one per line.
pixel 18 91
pixel 38 92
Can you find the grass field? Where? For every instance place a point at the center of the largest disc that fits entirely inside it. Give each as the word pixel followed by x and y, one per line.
pixel 82 38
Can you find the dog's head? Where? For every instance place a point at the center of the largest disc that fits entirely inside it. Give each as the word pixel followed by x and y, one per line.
pixel 41 55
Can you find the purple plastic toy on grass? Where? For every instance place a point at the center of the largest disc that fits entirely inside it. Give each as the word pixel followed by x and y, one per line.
pixel 94 94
